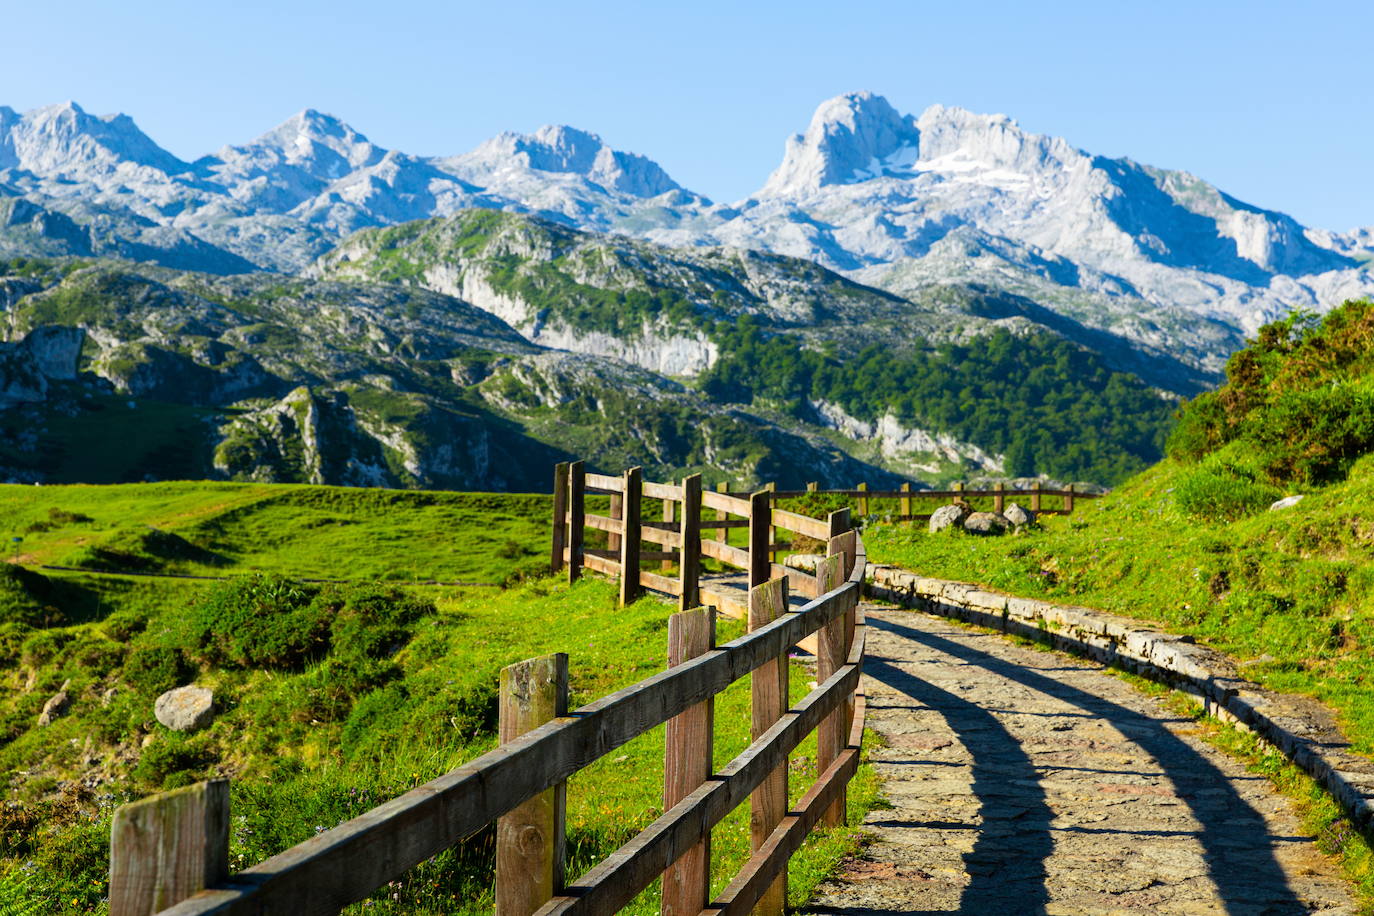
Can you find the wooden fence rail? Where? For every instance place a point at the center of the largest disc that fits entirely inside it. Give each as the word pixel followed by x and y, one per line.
pixel 519 785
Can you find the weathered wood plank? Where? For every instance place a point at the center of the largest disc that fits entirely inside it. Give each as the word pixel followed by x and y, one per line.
pixel 530 838
pixel 667 556
pixel 577 514
pixel 798 582
pixel 687 756
pixel 906 500
pixel 863 498
pixel 596 563
pixel 666 491
pixel 659 582
pixel 660 533
pixel 166 848
pixel 349 862
pixel 625 872
pixel 838 523
pixel 768 691
pixel 630 540
pixel 725 523
pixel 560 516
pixel 605 482
pixel 731 602
pixel 603 523
pixel 689 564
pixel 719 550
pixel 723 502
pixel 802 524
pixel 844 545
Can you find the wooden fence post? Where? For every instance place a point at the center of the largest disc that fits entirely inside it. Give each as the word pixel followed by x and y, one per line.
pixel 560 515
pixel 906 500
pixel 760 518
pixel 863 500
pixel 687 752
pixel 165 848
pixel 768 687
pixel 1068 499
pixel 630 544
pixel 1035 497
pixel 958 488
pixel 689 567
pixel 813 486
pixel 577 517
pixel 831 737
pixel 998 498
pixel 771 487
pixel 530 838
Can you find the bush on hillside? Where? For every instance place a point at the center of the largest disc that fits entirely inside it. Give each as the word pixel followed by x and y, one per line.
pixel 1224 487
pixel 259 621
pixel 153 670
pixel 1300 396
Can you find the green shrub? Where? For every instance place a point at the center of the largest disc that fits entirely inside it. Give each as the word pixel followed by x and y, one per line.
pixel 153 670
pixel 42 646
pixel 376 715
pixel 123 625
pixel 172 760
pixel 1215 492
pixel 260 621
pixel 12 636
pixel 1299 397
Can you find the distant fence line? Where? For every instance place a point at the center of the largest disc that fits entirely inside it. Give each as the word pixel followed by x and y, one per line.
pixel 169 853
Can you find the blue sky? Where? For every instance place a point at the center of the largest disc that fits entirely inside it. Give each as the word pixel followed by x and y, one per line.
pixel 1272 103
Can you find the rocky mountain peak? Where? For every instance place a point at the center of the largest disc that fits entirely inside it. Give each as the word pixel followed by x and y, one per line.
pixel 561 149
pixel 318 144
pixel 64 138
pixel 992 141
pixel 852 137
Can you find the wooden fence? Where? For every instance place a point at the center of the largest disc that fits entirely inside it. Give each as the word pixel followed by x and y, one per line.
pixel 169 853
pixel 995 498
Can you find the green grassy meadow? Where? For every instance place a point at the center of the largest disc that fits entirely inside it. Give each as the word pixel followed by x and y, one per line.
pixel 332 697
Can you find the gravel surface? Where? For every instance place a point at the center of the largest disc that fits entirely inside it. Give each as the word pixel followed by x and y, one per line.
pixel 1023 781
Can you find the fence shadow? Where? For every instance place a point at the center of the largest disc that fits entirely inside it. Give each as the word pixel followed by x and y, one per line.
pixel 1236 841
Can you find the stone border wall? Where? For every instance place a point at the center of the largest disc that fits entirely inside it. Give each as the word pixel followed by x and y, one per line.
pixel 1301 728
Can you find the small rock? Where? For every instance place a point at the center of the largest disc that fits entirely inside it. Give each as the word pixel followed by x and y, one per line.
pixel 56 707
pixel 986 523
pixel 1018 515
pixel 108 696
pixel 1287 501
pixel 946 517
pixel 185 709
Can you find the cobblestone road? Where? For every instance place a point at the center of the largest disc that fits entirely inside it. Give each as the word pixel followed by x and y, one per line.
pixel 1022 781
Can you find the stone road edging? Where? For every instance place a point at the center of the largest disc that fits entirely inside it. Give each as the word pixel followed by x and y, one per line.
pixel 1301 728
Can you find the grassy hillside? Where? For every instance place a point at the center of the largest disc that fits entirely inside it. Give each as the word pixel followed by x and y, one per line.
pixel 331 697
pixel 1192 546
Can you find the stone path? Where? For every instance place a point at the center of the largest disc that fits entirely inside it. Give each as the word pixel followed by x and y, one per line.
pixel 1023 781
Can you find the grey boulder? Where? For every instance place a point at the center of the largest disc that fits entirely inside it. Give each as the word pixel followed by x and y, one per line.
pixel 986 523
pixel 56 707
pixel 1287 502
pixel 185 709
pixel 1018 515
pixel 946 517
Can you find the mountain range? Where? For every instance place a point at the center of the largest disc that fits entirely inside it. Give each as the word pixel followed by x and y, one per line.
pixel 895 201
pixel 906 297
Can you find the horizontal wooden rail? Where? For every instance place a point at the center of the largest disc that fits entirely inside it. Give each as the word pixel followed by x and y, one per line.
pixel 605 482
pixel 602 523
pixel 802 524
pixel 667 491
pixel 661 533
pixel 724 502
pixel 719 550
pixel 666 584
pixel 929 494
pixel 601 564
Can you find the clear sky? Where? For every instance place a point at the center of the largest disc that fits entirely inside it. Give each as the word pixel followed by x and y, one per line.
pixel 1272 102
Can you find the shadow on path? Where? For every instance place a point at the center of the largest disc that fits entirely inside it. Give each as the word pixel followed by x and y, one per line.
pixel 1006 866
